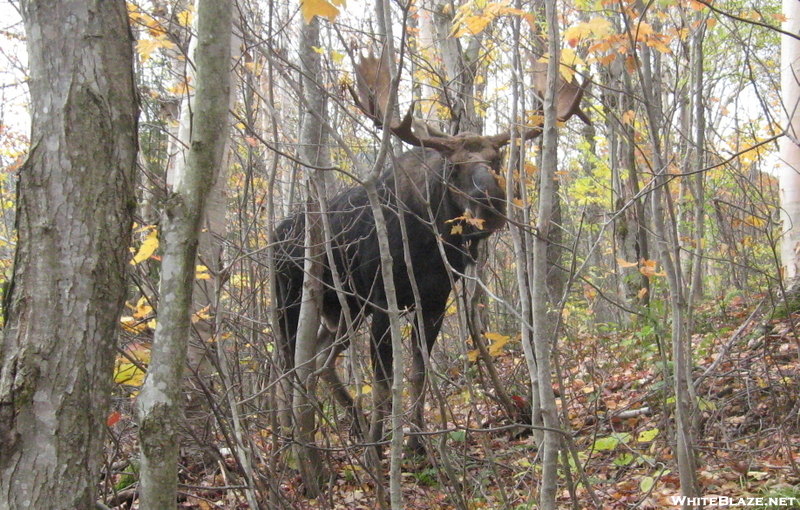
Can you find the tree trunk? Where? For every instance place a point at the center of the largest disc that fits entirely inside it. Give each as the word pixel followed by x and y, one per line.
pixel 159 403
pixel 543 325
pixel 790 144
pixel 202 347
pixel 313 152
pixel 458 69
pixel 668 250
pixel 75 199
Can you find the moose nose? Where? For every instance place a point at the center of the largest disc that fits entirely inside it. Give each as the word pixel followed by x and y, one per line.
pixel 487 190
pixel 489 198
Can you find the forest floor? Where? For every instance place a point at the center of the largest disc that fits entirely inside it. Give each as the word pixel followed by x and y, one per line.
pixel 748 374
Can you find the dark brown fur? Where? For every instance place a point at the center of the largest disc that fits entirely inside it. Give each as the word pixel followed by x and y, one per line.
pixel 431 189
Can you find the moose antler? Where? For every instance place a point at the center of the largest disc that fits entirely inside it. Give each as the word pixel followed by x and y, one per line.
pixel 371 96
pixel 570 93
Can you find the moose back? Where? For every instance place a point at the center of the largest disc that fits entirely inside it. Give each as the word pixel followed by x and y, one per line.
pixel 448 197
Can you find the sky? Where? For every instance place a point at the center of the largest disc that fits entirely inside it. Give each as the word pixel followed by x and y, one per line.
pixel 14 116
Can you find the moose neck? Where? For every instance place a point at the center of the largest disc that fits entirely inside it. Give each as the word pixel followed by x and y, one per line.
pixel 421 178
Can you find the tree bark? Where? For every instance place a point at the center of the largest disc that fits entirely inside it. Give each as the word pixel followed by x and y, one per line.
pixel 74 217
pixel 543 325
pixel 666 245
pixel 314 152
pixel 790 144
pixel 159 403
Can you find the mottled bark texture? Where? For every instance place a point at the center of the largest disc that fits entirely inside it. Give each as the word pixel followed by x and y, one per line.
pixel 75 199
pixel 159 404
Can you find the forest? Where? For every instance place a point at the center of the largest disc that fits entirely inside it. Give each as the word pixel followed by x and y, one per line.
pixel 231 231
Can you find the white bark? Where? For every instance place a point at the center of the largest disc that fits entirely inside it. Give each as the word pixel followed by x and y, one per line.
pixel 790 144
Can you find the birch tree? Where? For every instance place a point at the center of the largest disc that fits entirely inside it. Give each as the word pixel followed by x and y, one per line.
pixel 542 323
pixel 790 144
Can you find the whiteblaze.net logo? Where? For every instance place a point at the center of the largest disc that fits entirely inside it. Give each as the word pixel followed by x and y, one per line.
pixel 725 501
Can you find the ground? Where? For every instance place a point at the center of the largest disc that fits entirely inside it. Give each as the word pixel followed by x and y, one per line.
pixel 746 365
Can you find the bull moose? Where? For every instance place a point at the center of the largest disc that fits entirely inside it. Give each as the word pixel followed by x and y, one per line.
pixel 448 193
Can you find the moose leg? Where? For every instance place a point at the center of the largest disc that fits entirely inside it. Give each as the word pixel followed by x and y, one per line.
pixel 382 370
pixel 330 347
pixel 329 350
pixel 284 357
pixel 432 322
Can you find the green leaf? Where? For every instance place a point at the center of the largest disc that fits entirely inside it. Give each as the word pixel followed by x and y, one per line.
pixel 606 443
pixel 624 459
pixel 647 435
pixel 623 437
pixel 646 484
pixel 458 435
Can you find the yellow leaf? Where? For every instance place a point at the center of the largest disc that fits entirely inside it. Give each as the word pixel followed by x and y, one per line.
pixel 128 373
pixel 201 273
pixel 577 32
pixel 472 355
pixel 181 88
pixel 628 117
pixel 648 268
pixel 498 342
pixel 142 308
pixel 643 30
pixel 477 24
pixel 321 8
pixel 202 314
pixel 642 293
pixel 599 26
pixel 185 18
pixel 624 263
pixel 476 222
pixel 148 247
pixel 658 45
pixel 456 230
pixel 569 61
pixel 132 325
pixel 146 47
pixel 755 221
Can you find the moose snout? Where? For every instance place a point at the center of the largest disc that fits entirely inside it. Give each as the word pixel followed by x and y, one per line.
pixel 488 199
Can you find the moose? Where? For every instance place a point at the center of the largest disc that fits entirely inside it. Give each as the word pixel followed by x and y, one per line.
pixel 447 190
